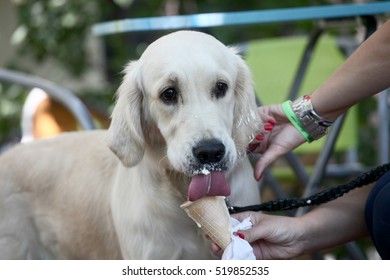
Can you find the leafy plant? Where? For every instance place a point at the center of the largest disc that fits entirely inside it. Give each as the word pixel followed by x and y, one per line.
pixel 56 29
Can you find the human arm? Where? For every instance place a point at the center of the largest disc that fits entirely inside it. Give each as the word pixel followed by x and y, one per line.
pixel 363 74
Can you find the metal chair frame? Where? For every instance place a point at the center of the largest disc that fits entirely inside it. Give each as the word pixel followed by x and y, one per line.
pixel 60 94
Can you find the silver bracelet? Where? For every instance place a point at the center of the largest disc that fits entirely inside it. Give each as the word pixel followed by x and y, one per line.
pixel 312 123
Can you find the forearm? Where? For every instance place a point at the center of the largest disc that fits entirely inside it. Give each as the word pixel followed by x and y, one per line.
pixel 336 222
pixel 364 73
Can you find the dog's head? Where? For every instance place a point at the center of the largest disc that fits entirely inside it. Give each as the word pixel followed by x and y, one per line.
pixel 190 98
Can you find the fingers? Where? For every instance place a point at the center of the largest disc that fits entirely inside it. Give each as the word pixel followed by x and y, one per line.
pixel 264 161
pixel 254 217
pixel 253 233
pixel 243 215
pixel 266 118
pixel 262 144
pixel 258 145
pixel 216 250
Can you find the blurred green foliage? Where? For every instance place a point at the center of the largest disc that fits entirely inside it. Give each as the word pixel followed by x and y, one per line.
pixel 58 29
pixel 11 102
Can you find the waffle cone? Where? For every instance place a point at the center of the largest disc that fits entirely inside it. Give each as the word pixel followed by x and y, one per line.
pixel 212 216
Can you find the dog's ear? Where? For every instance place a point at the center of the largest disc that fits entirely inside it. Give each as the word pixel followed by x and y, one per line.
pixel 125 134
pixel 246 119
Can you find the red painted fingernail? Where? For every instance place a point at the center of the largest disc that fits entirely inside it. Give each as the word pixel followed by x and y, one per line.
pixel 252 147
pixel 241 235
pixel 271 122
pixel 268 126
pixel 260 137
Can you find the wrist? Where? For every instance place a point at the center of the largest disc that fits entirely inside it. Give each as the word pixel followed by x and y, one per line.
pixel 305 119
pixel 324 110
pixel 308 236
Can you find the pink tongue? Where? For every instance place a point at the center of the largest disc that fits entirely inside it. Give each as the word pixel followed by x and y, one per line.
pixel 212 184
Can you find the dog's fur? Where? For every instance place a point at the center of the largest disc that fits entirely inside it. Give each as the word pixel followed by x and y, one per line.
pixel 75 197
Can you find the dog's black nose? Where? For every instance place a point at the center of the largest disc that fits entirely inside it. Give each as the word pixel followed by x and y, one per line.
pixel 209 151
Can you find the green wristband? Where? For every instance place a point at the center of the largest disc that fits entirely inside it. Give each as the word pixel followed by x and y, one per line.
pixel 286 106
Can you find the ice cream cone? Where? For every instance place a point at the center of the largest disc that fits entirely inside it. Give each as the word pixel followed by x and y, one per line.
pixel 212 216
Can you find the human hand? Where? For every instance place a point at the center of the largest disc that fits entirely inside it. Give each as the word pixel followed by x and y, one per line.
pixel 278 138
pixel 271 237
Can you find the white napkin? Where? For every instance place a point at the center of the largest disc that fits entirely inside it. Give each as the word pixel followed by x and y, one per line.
pixel 239 249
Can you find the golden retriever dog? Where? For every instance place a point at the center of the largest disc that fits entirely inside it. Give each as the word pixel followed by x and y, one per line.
pixel 184 115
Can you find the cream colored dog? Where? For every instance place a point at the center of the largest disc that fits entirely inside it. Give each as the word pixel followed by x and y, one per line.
pixel 184 116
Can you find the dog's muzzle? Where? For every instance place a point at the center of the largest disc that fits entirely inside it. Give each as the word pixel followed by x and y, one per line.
pixel 208 175
pixel 209 153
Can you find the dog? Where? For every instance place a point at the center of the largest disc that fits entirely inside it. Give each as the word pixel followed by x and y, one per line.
pixel 184 115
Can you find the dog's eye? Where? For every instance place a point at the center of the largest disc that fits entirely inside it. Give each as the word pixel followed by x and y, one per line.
pixel 220 89
pixel 169 96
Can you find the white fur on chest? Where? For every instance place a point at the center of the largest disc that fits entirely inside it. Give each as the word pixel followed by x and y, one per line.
pixel 150 211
